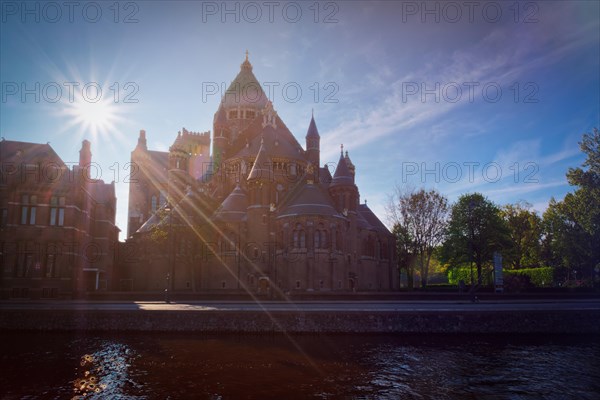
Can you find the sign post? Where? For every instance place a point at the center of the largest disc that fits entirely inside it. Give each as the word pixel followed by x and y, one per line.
pixel 498 280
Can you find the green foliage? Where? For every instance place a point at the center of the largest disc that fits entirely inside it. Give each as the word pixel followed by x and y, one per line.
pixel 422 215
pixel 404 252
pixel 572 226
pixel 525 230
pixel 539 277
pixel 463 272
pixel 475 231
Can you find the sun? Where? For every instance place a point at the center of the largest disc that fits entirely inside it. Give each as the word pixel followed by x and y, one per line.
pixel 95 118
pixel 93 115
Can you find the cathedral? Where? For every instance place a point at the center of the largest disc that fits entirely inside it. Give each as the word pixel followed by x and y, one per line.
pixel 258 214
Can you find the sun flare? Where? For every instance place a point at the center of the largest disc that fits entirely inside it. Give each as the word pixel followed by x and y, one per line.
pixel 95 118
pixel 93 114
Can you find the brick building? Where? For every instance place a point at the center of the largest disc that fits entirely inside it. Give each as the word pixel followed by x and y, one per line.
pixel 260 216
pixel 57 226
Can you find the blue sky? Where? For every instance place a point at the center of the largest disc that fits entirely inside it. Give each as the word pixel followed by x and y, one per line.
pixel 392 69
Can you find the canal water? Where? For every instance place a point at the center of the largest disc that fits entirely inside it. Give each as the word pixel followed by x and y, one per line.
pixel 186 366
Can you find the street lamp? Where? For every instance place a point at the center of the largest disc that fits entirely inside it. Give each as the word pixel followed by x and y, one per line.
pixel 169 212
pixel 167 299
pixel 471 234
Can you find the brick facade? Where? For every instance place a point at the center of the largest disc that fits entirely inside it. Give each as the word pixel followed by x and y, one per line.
pixel 261 216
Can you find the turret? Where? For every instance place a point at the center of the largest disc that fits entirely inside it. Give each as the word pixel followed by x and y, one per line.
pixel 178 155
pixel 351 166
pixel 221 136
pixel 342 187
pixel 313 145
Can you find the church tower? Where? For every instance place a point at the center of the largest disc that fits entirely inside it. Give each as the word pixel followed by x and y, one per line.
pixel 345 196
pixel 138 189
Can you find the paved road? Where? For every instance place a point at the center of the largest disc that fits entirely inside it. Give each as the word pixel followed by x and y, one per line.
pixel 333 306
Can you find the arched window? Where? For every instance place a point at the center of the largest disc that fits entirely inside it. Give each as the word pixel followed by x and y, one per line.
pixel 384 251
pixel 322 234
pixel 369 247
pixel 299 237
pixel 317 239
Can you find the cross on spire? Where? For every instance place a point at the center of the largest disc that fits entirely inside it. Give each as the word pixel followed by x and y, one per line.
pixel 246 54
pixel 342 149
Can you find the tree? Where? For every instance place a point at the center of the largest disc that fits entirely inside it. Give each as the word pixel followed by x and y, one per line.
pixel 475 231
pixel 572 226
pixel 423 215
pixel 404 253
pixel 525 231
pixel 565 245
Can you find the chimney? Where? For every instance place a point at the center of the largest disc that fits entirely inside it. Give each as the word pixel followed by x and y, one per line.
pixel 142 140
pixel 85 154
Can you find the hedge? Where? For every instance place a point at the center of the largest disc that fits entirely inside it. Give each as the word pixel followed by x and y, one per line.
pixel 457 274
pixel 539 277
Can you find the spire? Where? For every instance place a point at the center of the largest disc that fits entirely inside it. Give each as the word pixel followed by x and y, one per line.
pixel 342 175
pixel 313 145
pixel 351 166
pixel 261 170
pixel 312 132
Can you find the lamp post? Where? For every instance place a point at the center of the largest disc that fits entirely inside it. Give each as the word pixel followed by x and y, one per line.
pixel 167 299
pixel 471 234
pixel 170 242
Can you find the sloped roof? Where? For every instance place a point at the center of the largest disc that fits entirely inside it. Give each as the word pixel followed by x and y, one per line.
pixel 150 223
pixel 28 153
pixel 245 90
pixel 280 142
pixel 362 223
pixel 342 175
pixel 262 168
pixel 372 219
pixel 325 176
pixel 310 199
pixel 234 207
pixel 193 207
pixel 312 129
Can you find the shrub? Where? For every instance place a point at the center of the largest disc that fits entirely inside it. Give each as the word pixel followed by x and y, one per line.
pixel 538 277
pixel 456 274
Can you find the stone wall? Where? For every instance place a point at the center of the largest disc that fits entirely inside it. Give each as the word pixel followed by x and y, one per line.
pixel 584 321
